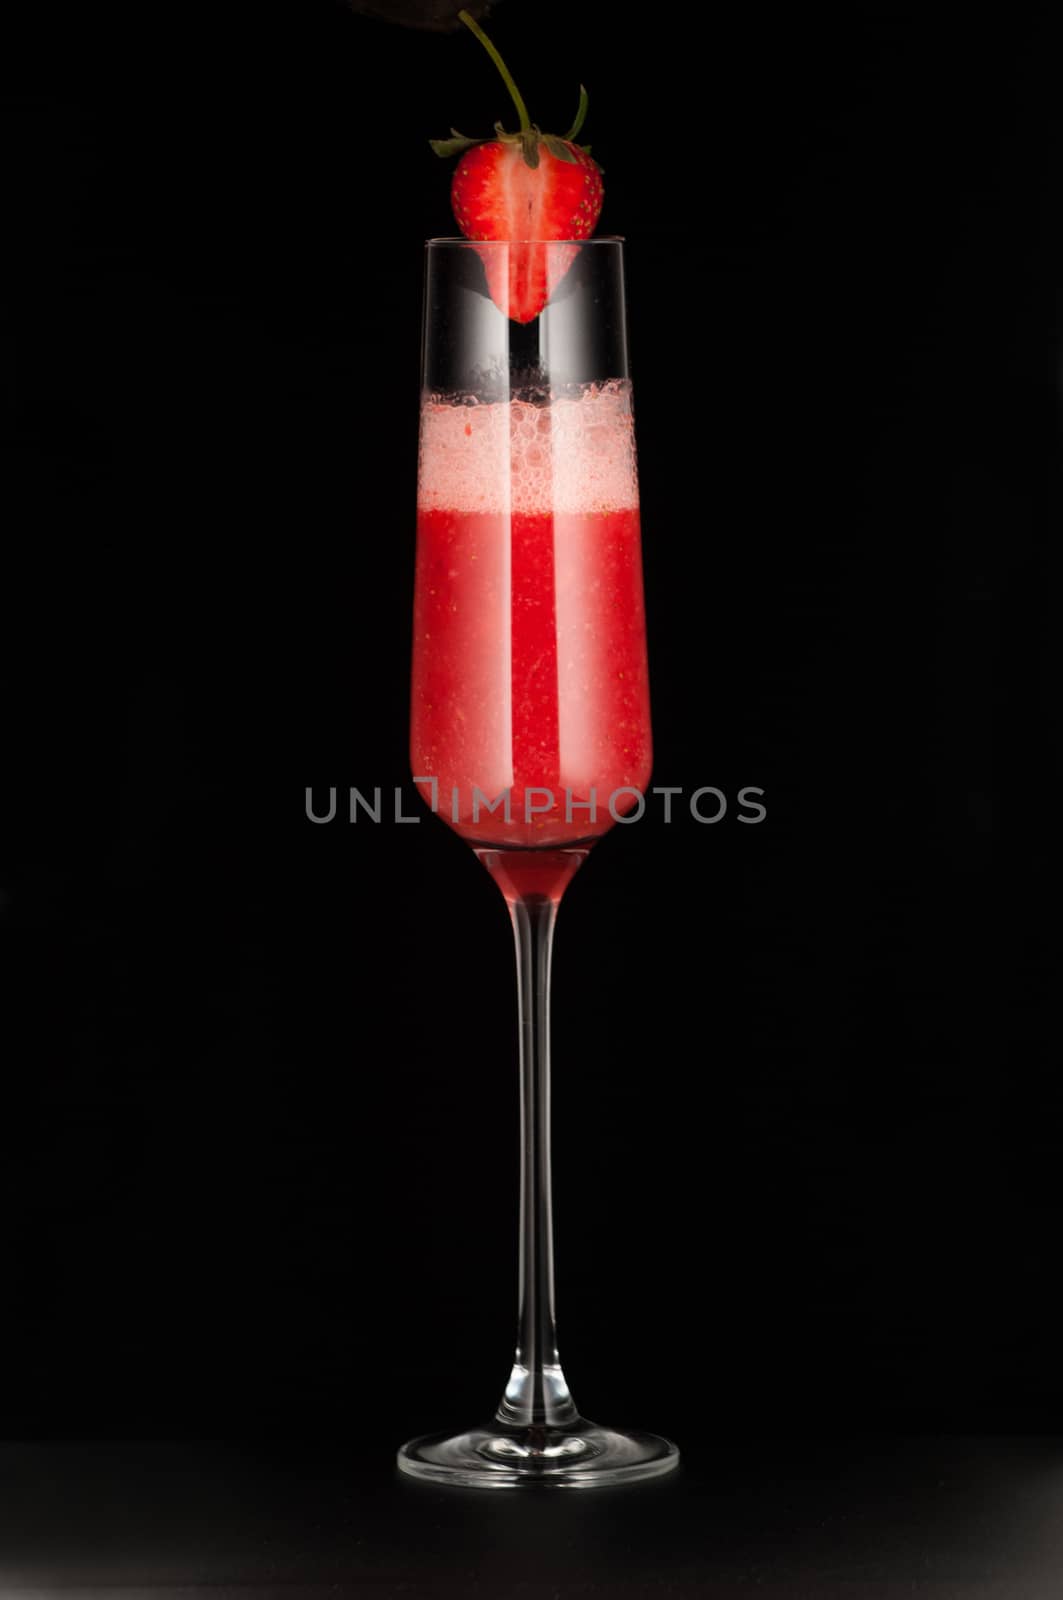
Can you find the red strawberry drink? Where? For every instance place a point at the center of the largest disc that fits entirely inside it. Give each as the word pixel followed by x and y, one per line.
pixel 530 688
pixel 530 725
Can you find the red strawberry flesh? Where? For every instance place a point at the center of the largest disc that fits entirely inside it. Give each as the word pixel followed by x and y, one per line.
pixel 497 196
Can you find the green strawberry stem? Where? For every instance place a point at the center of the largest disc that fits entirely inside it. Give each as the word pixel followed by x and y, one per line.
pixel 507 79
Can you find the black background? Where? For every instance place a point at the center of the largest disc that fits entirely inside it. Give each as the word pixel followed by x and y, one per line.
pixel 259 1165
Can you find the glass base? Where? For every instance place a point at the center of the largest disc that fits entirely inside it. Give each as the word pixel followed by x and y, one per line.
pixel 579 1456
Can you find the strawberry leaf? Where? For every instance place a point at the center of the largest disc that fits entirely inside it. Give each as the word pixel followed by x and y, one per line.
pixel 454 146
pixel 558 148
pixel 581 114
pixel 529 140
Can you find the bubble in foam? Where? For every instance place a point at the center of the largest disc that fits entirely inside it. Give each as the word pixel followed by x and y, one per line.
pixel 574 454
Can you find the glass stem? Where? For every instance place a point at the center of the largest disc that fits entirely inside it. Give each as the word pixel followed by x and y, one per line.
pixel 537 1394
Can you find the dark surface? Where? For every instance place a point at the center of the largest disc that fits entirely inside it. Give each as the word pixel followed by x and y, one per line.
pixel 955 1519
pixel 258 1133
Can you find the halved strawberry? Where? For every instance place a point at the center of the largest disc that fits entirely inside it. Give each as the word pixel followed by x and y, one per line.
pixel 526 188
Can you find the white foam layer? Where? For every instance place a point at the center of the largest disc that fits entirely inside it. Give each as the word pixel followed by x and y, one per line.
pixel 573 455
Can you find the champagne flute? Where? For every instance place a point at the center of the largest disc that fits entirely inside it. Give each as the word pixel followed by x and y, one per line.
pixel 530 715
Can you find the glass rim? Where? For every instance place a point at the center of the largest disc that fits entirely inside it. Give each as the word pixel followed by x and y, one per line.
pixel 494 244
